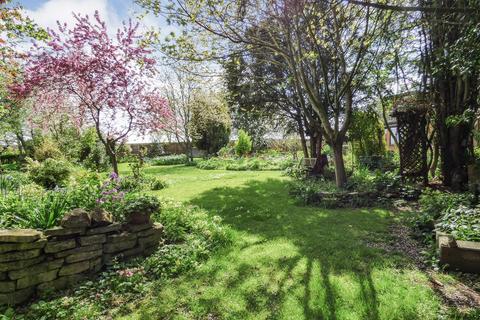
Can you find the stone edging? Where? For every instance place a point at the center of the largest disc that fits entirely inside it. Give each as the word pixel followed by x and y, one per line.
pixel 457 254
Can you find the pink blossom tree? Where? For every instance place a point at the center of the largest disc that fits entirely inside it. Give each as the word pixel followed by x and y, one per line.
pixel 96 79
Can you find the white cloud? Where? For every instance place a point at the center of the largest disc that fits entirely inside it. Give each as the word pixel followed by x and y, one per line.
pixel 52 11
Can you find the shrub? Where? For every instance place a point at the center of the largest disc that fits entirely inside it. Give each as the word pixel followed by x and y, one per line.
pixel 244 144
pixel 47 149
pixel 91 152
pixel 324 193
pixel 130 184
pixel 226 152
pixel 297 172
pixel 433 204
pixel 96 158
pixel 210 123
pixel 366 134
pixel 135 203
pixel 84 191
pixel 436 202
pixel 169 160
pixel 209 164
pixel 49 173
pixel 462 223
pixel 9 157
pixel 307 190
pixel 157 183
pixel 136 166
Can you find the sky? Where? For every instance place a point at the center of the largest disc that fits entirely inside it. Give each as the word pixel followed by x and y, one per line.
pixel 47 12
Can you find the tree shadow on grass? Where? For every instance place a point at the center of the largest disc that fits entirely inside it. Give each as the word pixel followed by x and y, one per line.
pixel 295 262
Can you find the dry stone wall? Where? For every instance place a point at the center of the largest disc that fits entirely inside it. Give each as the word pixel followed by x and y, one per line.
pixel 34 262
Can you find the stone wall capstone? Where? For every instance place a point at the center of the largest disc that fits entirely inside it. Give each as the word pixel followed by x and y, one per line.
pixel 33 263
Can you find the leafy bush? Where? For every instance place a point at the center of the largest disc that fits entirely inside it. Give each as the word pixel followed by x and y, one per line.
pixel 436 202
pixel 307 190
pixel 226 152
pixel 209 164
pixel 49 173
pixel 363 180
pixel 433 204
pixel 169 160
pixel 130 184
pixel 296 171
pixel 96 158
pixel 462 223
pixel 47 149
pixel 325 194
pixel 142 203
pixel 90 151
pixel 364 188
pixel 366 134
pixel 157 183
pixel 136 167
pixel 244 144
pixel 84 191
pixel 9 157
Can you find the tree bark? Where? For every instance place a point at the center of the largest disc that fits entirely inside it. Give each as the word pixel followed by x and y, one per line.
pixel 112 154
pixel 340 172
pixel 303 140
pixel 435 156
pixel 189 150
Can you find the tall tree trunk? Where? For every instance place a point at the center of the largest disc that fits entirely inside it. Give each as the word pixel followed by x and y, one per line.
pixel 113 159
pixel 303 140
pixel 313 143
pixel 340 172
pixel 321 160
pixel 21 143
pixel 318 145
pixel 435 156
pixel 189 150
pixel 112 154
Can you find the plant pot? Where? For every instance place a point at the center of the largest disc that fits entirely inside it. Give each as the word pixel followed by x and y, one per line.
pixel 139 218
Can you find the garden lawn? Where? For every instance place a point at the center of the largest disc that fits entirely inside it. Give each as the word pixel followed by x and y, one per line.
pixel 288 261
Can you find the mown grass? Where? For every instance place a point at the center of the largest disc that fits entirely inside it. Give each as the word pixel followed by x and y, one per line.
pixel 288 261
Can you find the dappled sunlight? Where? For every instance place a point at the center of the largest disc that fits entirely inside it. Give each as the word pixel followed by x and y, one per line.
pixel 295 262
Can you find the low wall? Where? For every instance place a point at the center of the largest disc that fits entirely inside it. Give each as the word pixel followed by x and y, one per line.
pixel 458 255
pixel 36 262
